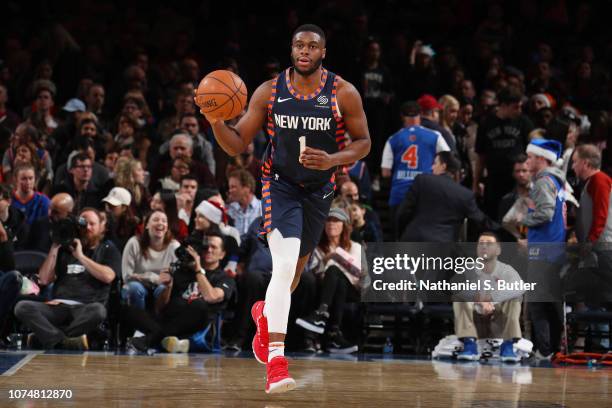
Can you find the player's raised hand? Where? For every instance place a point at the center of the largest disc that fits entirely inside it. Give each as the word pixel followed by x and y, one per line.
pixel 316 159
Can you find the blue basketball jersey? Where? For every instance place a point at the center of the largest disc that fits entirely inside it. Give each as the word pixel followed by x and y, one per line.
pixel 290 116
pixel 414 150
pixel 551 232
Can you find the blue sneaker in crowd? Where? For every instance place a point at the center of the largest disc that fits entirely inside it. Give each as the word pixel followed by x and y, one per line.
pixel 507 354
pixel 470 350
pixel 198 340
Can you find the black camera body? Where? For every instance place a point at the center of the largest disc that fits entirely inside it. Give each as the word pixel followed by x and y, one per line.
pixel 183 258
pixel 66 230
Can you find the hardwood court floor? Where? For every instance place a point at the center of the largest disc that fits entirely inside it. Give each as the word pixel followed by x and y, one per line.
pixel 177 381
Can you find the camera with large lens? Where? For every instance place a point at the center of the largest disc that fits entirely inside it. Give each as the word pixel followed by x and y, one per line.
pixel 184 260
pixel 66 230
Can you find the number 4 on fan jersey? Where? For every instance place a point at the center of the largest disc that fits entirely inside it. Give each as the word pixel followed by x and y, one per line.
pixel 411 157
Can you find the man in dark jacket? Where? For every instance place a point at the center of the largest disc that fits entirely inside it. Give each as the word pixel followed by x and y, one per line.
pixel 436 205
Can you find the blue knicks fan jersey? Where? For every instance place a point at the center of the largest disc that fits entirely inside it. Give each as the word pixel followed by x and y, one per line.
pixel 414 150
pixel 290 116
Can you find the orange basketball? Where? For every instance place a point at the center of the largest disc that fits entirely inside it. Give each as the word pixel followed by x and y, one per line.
pixel 222 95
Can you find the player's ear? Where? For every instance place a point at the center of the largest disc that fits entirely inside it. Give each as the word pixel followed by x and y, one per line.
pixel 323 51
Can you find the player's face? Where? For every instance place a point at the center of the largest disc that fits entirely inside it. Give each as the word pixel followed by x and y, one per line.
pixel 307 52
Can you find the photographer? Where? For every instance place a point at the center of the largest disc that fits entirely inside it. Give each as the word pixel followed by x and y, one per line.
pixel 145 257
pixel 82 273
pixel 60 208
pixel 197 289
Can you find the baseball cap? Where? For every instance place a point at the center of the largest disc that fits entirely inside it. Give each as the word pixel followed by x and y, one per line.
pixel 339 214
pixel 569 116
pixel 428 103
pixel 118 196
pixel 427 50
pixel 75 105
pixel 410 108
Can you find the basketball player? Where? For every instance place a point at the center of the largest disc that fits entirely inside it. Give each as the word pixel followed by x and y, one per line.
pixel 304 101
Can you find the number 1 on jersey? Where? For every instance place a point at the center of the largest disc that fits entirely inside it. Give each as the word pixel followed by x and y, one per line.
pixel 411 157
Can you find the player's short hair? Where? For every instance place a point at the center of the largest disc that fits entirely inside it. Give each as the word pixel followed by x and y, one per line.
pixel 311 28
pixel 591 154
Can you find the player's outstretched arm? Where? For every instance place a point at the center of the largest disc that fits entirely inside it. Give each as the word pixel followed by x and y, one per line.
pixel 234 140
pixel 356 124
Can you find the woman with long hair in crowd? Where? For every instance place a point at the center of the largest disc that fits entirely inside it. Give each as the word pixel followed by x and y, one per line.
pixel 144 257
pixel 130 175
pixel 26 134
pixel 211 216
pixel 121 224
pixel 450 111
pixel 337 261
pixel 166 202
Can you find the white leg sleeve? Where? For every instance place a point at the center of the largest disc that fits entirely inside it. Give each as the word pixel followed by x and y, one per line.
pixel 285 254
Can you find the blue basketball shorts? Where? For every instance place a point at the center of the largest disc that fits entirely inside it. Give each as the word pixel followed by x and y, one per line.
pixel 296 211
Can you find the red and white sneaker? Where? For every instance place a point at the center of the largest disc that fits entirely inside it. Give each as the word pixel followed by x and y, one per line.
pixel 279 379
pixel 261 338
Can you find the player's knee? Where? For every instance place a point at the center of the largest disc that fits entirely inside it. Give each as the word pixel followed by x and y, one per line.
pixel 286 265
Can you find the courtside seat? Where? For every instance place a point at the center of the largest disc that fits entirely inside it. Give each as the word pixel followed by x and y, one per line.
pixel 394 320
pixel 592 325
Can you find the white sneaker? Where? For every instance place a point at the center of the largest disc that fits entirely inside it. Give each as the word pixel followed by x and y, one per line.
pixel 172 344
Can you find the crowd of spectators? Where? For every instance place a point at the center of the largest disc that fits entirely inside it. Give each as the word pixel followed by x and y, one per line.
pixel 99 130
